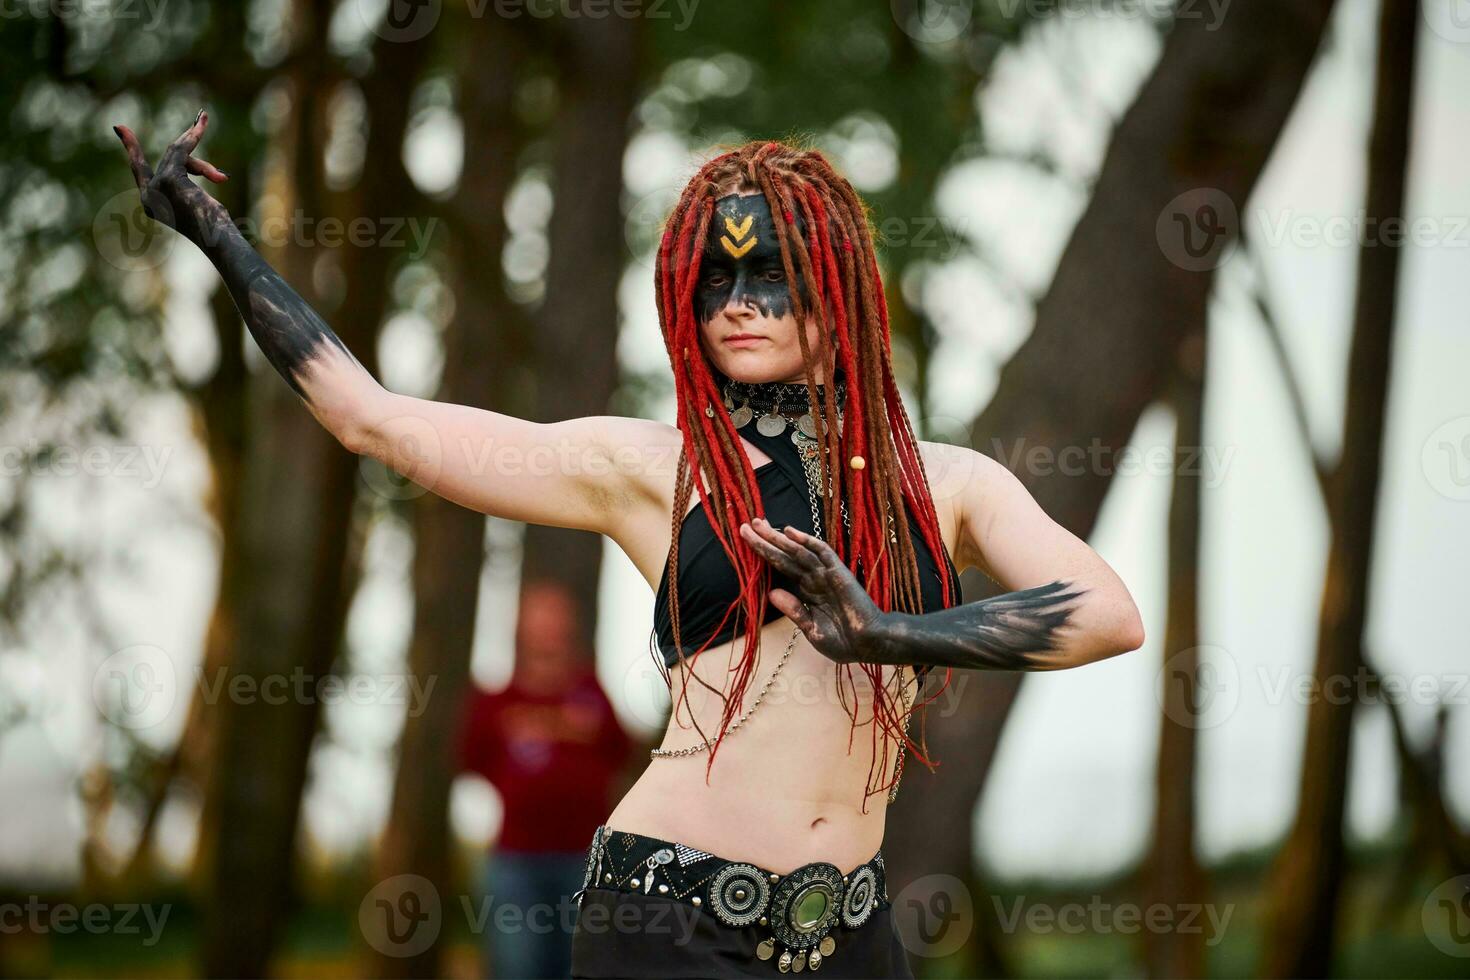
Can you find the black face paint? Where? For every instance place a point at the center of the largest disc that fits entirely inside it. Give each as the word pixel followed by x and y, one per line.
pixel 742 260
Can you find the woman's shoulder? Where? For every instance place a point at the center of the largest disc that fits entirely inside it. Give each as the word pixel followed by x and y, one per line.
pixel 632 430
pixel 961 480
pixel 953 469
pixel 646 450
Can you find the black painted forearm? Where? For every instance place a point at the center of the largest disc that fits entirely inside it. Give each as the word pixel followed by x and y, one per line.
pixel 1016 631
pixel 289 332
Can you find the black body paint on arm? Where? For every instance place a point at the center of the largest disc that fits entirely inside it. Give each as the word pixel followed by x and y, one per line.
pixel 290 333
pixel 1016 631
pixel 742 260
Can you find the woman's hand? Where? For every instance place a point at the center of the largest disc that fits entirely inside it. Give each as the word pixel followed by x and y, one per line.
pixel 166 192
pixel 293 337
pixel 838 616
pixel 1023 630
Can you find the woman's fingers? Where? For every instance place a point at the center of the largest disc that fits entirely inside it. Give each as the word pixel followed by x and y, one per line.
pixel 793 608
pixel 142 173
pixel 778 558
pixel 206 170
pixel 190 137
pixel 178 151
pixel 177 154
pixel 798 553
pixel 818 547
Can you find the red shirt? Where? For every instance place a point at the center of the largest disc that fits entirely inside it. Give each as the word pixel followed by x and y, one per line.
pixel 552 758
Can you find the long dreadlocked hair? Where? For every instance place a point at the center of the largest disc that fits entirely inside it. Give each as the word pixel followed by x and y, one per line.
pixel 836 262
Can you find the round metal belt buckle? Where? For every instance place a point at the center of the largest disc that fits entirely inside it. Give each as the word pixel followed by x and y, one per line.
pixel 805 907
pixel 801 909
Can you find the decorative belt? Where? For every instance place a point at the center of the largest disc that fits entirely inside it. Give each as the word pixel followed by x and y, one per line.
pixel 802 910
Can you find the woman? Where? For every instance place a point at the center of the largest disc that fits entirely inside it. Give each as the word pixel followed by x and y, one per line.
pixel 773 313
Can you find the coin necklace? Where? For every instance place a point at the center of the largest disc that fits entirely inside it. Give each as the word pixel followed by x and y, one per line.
pixel 804 436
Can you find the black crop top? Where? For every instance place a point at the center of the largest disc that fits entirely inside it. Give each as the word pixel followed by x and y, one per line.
pixel 707 581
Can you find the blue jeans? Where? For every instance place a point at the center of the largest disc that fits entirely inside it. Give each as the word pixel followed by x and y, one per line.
pixel 528 935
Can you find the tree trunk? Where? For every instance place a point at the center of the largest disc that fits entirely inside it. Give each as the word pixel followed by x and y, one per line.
pixel 449 539
pixel 1173 877
pixel 575 345
pixel 220 421
pixel 1307 878
pixel 294 581
pixel 1129 285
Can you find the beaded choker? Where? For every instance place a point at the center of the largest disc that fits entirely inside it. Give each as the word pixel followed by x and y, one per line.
pixel 776 404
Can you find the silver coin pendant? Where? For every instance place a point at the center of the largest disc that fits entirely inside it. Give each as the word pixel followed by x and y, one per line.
pixel 771 425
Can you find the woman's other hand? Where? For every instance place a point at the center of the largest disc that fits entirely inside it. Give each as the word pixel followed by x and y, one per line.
pixel 837 614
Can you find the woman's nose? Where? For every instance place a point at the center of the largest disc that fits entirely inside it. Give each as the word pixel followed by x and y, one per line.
pixel 739 307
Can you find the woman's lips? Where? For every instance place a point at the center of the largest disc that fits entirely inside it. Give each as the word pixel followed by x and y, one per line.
pixel 743 340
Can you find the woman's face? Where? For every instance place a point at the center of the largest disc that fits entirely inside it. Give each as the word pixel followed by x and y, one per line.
pixel 747 327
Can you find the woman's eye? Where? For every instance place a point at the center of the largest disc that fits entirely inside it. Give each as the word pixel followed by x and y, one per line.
pixel 773 275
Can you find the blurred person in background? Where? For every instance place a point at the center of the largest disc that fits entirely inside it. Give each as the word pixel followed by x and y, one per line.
pixel 552 747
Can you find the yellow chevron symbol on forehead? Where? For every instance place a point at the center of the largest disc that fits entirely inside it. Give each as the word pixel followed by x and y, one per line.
pixel 738 248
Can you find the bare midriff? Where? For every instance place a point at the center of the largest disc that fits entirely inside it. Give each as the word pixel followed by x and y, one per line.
pixel 786 788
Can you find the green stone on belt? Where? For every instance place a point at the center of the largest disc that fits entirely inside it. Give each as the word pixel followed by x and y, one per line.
pixel 811 908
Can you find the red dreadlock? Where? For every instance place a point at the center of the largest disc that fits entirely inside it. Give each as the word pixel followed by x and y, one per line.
pixel 837 263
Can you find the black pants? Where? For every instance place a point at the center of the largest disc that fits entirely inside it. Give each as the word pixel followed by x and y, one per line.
pixel 623 933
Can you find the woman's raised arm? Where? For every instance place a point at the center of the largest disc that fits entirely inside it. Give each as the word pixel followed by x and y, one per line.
pixel 296 341
pixel 583 473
